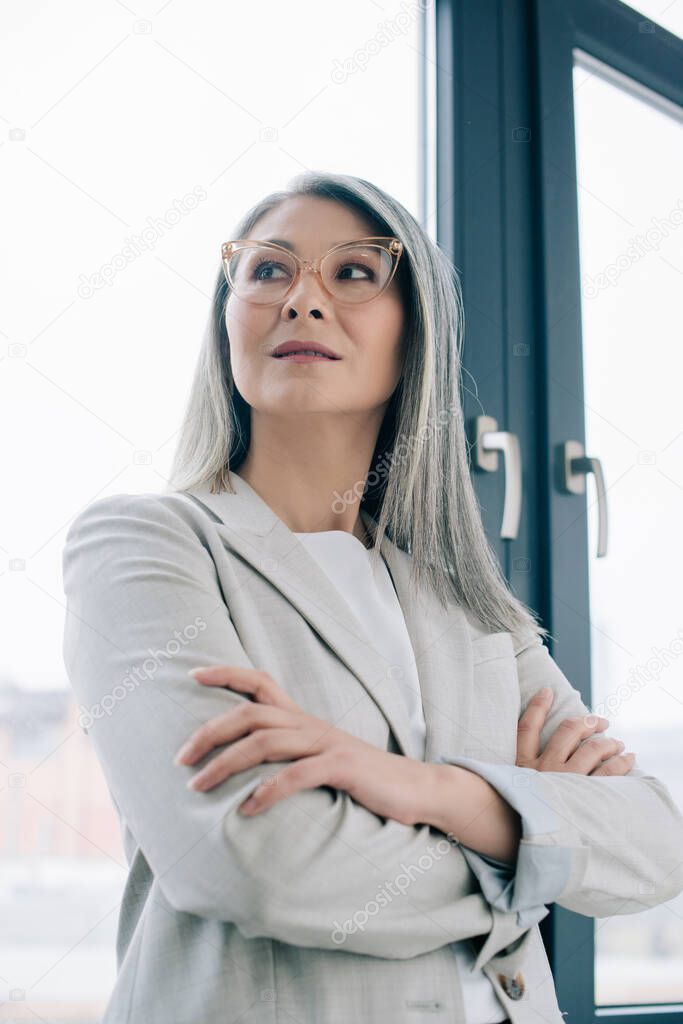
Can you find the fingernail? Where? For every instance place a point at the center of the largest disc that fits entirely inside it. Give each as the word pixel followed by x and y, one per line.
pixel 199 668
pixel 182 753
pixel 546 691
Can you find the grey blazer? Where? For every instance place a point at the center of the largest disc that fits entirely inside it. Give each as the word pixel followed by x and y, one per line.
pixel 318 911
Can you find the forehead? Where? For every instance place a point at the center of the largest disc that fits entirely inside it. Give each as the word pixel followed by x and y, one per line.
pixel 313 224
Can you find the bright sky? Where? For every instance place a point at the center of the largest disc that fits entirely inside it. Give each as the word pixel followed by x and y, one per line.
pixel 114 119
pixel 630 174
pixel 111 119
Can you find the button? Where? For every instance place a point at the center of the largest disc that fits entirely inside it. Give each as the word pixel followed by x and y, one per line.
pixel 513 987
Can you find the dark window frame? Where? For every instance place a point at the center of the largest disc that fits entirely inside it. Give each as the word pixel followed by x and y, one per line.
pixel 507 215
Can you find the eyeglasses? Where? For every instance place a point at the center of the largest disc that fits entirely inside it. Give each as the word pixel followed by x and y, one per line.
pixel 264 273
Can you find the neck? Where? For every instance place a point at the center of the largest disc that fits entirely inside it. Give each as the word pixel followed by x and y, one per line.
pixel 312 479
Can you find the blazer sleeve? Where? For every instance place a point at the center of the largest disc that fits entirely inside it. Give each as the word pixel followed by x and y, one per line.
pixel 597 845
pixel 144 606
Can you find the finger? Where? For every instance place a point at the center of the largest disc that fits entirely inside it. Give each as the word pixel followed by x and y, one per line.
pixel 569 733
pixel 306 774
pixel 592 752
pixel 261 746
pixel 258 684
pixel 621 764
pixel 230 726
pixel 530 725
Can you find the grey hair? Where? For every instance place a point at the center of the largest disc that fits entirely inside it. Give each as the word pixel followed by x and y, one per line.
pixel 419 490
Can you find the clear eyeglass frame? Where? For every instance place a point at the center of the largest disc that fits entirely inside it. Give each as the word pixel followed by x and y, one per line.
pixel 393 246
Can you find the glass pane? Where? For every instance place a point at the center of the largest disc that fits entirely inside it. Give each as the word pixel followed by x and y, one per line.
pixel 137 139
pixel 630 168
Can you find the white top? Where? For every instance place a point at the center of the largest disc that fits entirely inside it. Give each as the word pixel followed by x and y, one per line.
pixel 371 596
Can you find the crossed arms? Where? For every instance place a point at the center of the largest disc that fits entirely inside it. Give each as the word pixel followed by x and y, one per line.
pixel 142 591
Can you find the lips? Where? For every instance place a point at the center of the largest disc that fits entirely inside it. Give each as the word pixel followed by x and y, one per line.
pixel 305 354
pixel 310 348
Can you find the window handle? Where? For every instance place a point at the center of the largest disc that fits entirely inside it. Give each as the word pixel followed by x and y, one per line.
pixel 577 465
pixel 489 441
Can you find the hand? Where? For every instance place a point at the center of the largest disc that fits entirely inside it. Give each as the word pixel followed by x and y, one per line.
pixel 273 727
pixel 564 751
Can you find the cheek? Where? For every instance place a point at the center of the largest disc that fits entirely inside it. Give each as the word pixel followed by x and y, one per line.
pixel 244 323
pixel 383 343
pixel 246 326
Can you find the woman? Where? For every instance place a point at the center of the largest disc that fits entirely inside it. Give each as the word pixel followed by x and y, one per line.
pixel 359 665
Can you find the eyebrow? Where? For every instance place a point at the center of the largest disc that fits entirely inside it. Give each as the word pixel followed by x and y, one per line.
pixel 288 245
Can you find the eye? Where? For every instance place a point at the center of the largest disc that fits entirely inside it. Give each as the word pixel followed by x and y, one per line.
pixel 370 274
pixel 268 267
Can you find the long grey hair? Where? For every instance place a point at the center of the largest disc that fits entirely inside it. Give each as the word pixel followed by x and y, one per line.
pixel 418 489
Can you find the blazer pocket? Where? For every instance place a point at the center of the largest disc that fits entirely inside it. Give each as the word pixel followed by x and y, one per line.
pixel 496 700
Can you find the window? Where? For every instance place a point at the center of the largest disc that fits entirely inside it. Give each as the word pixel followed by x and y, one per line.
pixel 134 143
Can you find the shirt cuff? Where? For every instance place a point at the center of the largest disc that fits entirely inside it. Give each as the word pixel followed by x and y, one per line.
pixel 543 868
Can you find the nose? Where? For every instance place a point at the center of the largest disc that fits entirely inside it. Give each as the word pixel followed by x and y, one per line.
pixel 307 297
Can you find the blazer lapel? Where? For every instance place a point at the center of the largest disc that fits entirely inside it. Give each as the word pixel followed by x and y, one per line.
pixel 440 639
pixel 443 653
